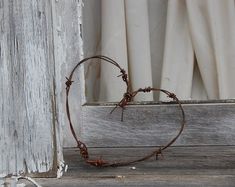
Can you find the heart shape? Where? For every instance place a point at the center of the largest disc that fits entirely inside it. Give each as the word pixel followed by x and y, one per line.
pixel 127 97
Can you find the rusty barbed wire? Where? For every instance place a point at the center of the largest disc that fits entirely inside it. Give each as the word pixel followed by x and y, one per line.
pixel 127 98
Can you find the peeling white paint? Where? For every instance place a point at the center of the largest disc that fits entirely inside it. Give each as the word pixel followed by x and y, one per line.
pixel 80 6
pixel 68 49
pixel 66 168
pixel 62 167
pixel 79 16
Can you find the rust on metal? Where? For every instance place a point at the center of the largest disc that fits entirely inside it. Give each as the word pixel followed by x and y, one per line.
pixel 127 97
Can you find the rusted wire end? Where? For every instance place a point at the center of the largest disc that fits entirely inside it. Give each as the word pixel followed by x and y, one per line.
pixel 98 163
pixel 127 97
pixel 83 150
pixel 114 108
pixel 123 75
pixel 68 83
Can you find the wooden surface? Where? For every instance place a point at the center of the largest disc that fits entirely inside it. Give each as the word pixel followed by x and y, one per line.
pixel 40 42
pixel 68 47
pixel 181 166
pixel 27 92
pixel 150 125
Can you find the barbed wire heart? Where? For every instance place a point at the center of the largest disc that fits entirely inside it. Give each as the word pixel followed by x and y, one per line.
pixel 127 98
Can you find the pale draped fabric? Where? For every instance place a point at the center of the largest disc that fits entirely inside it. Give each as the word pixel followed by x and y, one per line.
pixel 184 46
pixel 114 45
pixel 125 33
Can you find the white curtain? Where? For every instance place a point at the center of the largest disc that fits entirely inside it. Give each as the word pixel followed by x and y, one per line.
pixel 185 46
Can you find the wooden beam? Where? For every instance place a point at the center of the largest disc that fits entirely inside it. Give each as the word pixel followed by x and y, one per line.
pixel 181 166
pixel 154 125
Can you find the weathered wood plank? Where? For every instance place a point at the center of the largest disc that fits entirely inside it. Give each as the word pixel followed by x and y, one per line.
pixel 148 181
pixel 40 43
pixel 181 166
pixel 151 125
pixel 27 91
pixel 68 49
pixel 198 160
pixel 145 181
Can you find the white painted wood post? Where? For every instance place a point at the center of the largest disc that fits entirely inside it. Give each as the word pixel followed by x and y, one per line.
pixel 39 43
pixel 68 50
pixel 27 98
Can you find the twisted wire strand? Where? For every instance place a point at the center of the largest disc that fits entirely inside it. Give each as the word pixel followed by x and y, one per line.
pixel 127 98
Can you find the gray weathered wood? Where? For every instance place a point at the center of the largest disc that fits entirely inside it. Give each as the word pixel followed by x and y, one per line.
pixel 176 180
pixel 181 166
pixel 150 125
pixel 68 49
pixel 40 42
pixel 186 159
pixel 29 130
pixel 27 93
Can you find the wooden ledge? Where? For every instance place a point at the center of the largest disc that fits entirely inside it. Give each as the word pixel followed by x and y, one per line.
pixel 181 166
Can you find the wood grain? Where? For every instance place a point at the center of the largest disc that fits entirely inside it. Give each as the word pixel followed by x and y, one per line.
pixel 40 42
pixel 181 166
pixel 185 160
pixel 27 91
pixel 68 49
pixel 152 125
